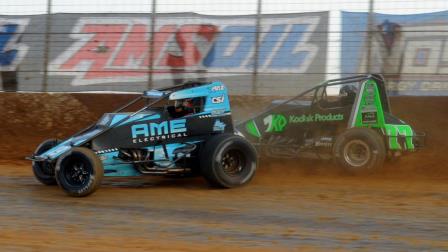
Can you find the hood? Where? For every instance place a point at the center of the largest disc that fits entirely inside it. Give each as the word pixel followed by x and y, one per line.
pixel 107 121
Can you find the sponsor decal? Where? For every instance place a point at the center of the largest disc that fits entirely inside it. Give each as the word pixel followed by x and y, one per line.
pixel 369 117
pixel 252 129
pixel 218 88
pixel 370 108
pixel 369 99
pixel 275 123
pixel 218 99
pixel 214 113
pixel 12 51
pixel 400 136
pixel 316 118
pixel 107 50
pixel 218 112
pixel 219 126
pixel 150 132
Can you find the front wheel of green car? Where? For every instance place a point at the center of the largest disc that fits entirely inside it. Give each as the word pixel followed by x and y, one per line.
pixel 359 150
pixel 79 172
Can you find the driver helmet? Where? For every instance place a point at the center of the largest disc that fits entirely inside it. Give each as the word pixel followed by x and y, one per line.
pixel 348 90
pixel 184 105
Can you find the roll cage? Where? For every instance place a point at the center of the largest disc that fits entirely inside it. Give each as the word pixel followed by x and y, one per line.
pixel 318 92
pixel 164 94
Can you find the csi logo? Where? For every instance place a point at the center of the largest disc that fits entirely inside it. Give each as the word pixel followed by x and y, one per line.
pixel 218 99
pixel 158 129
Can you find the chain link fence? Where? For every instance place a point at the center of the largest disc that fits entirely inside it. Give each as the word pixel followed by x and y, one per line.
pixel 257 47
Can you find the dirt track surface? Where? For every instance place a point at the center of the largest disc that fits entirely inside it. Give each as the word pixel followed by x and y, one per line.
pixel 292 210
pixel 305 206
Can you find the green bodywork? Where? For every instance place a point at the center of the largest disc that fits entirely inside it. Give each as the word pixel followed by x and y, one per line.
pixel 370 110
pixel 252 128
pixel 370 114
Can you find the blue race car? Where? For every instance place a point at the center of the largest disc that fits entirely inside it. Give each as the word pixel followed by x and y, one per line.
pixel 180 130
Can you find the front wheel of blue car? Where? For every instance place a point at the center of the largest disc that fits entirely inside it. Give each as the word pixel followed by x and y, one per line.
pixel 79 172
pixel 44 170
pixel 228 161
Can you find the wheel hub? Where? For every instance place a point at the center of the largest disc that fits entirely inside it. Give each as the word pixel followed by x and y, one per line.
pixel 232 162
pixel 357 153
pixel 77 173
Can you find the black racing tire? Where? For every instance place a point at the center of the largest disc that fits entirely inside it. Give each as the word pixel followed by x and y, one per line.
pixel 44 170
pixel 228 161
pixel 79 172
pixel 359 150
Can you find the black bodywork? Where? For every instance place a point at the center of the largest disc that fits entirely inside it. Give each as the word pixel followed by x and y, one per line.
pixel 307 124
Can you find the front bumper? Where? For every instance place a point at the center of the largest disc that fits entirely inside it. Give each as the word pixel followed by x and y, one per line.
pixel 37 158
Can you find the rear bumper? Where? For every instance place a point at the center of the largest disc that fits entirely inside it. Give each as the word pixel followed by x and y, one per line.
pixel 412 142
pixel 419 139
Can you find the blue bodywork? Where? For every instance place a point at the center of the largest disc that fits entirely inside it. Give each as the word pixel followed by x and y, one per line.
pixel 115 168
pixel 216 108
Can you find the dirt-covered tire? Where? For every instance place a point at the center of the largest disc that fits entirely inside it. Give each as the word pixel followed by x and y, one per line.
pixel 79 172
pixel 44 170
pixel 228 161
pixel 359 150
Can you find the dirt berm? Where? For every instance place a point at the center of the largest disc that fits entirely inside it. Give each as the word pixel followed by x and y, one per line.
pixel 27 119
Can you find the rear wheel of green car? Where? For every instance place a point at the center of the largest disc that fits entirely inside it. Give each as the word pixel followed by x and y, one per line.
pixel 79 172
pixel 44 170
pixel 359 150
pixel 228 161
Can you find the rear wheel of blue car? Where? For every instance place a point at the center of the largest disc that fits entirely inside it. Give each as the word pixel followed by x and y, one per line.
pixel 359 150
pixel 44 170
pixel 228 161
pixel 79 172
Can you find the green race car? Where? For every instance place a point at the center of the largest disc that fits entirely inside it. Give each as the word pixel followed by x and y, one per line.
pixel 348 120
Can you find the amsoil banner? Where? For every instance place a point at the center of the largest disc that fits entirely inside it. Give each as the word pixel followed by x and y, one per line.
pixel 410 50
pixel 111 52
